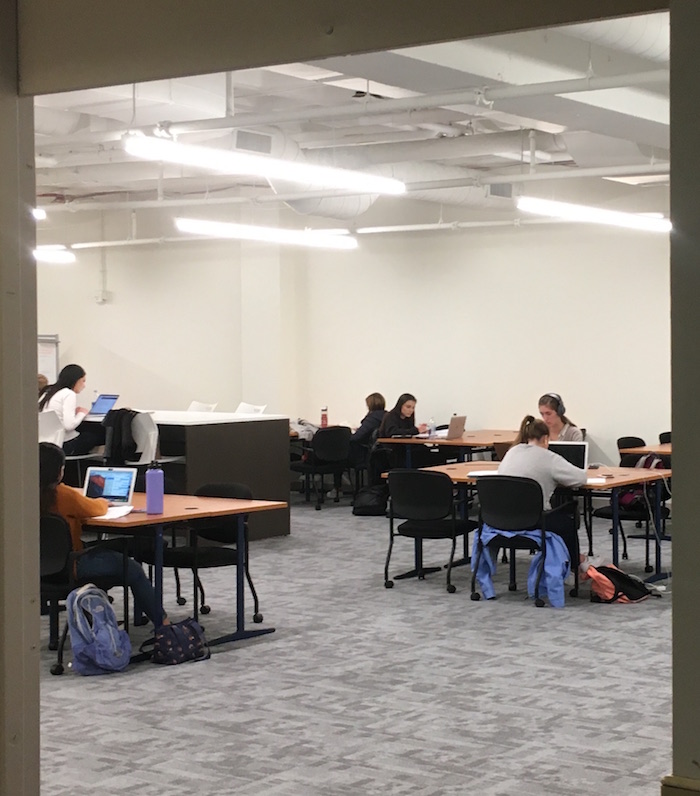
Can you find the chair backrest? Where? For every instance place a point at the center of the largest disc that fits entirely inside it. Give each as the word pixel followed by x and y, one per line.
pixel 630 442
pixel 221 529
pixel 250 409
pixel 420 495
pixel 145 433
pixel 51 429
pixel 198 406
pixel 332 444
pixel 664 437
pixel 510 503
pixel 55 545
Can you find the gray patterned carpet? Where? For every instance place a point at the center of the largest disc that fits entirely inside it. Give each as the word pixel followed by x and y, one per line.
pixel 364 690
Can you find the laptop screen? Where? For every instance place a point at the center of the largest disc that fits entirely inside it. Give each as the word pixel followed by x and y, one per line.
pixel 103 404
pixel 574 452
pixel 115 484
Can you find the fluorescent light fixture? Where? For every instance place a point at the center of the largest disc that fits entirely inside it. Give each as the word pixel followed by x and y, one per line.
pixel 39 213
pixel 57 254
pixel 591 215
pixel 228 162
pixel 296 237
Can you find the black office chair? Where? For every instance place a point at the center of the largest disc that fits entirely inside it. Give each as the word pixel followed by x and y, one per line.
pixel 664 438
pixel 640 510
pixel 56 563
pixel 327 454
pixel 512 503
pixel 425 501
pixel 196 556
pixel 629 442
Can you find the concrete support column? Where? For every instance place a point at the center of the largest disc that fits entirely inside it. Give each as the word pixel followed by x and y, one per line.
pixel 685 382
pixel 19 512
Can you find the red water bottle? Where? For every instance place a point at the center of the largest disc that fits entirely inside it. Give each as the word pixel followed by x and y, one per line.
pixel 324 417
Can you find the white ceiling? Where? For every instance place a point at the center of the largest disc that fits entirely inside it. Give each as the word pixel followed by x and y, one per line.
pixel 465 153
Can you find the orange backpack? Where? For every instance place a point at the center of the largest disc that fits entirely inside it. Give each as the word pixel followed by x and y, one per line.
pixel 610 584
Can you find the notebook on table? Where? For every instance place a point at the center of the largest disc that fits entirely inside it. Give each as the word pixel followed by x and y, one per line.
pixel 101 405
pixel 574 452
pixel 115 484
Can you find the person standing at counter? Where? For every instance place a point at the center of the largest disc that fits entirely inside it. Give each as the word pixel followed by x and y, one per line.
pixel 62 398
pixel 553 412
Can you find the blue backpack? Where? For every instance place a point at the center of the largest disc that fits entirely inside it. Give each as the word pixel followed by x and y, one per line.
pixel 99 646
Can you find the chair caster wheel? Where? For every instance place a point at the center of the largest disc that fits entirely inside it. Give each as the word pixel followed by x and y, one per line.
pixel 57 668
pixel 451 588
pixel 512 587
pixel 204 609
pixel 539 602
pixel 181 600
pixel 53 645
pixel 318 507
pixel 336 499
pixel 257 618
pixel 475 596
pixel 648 568
pixel 573 593
pixel 388 584
pixel 625 556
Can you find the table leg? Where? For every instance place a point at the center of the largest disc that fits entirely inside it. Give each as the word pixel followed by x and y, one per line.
pixel 588 519
pixel 408 457
pixel 241 632
pixel 158 565
pixel 658 574
pixel 418 569
pixel 615 525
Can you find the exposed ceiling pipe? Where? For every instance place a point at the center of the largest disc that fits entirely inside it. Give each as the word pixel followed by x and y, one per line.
pixel 52 122
pixel 465 146
pixel 554 173
pixel 647 35
pixel 447 98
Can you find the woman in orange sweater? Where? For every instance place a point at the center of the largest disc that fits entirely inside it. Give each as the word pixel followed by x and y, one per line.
pixel 74 507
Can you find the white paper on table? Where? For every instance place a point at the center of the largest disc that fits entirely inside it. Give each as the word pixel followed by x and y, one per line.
pixel 114 512
pixel 596 480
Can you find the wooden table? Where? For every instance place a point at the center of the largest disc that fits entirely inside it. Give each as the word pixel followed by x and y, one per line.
pixel 613 478
pixel 182 509
pixel 485 438
pixel 663 449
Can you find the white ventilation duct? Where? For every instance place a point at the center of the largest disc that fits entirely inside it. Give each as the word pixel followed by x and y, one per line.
pixel 52 122
pixel 647 36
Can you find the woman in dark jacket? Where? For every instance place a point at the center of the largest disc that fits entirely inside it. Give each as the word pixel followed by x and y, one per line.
pixel 363 439
pixel 401 419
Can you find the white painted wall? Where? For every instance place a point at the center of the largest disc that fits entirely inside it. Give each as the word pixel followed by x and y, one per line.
pixel 480 322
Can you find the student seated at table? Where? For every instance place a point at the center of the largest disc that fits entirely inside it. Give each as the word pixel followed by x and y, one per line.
pixel 57 498
pixel 400 421
pixel 553 412
pixel 366 434
pixel 530 458
pixel 62 398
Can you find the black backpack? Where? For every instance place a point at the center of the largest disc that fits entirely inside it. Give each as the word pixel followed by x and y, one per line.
pixel 623 587
pixel 370 501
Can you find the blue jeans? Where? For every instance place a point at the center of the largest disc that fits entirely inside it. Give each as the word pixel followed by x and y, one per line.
pixel 105 563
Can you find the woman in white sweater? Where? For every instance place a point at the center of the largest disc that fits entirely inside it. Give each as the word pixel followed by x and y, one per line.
pixel 62 398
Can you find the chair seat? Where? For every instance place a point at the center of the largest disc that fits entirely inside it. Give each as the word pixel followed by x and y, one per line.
pixel 323 468
pixel 514 542
pixel 633 515
pixel 207 557
pixel 435 529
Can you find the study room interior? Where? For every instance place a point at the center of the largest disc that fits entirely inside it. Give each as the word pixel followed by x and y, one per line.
pixel 452 293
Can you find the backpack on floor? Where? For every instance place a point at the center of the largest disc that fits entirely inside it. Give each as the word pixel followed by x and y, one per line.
pixel 370 501
pixel 99 646
pixel 633 497
pixel 610 585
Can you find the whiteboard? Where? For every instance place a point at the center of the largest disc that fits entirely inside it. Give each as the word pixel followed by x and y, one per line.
pixel 48 356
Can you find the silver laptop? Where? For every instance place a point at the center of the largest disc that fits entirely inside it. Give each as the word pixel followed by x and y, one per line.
pixel 574 452
pixel 456 428
pixel 115 484
pixel 101 405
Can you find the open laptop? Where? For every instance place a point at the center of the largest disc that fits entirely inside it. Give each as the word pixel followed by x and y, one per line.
pixel 454 431
pixel 115 484
pixel 574 452
pixel 101 405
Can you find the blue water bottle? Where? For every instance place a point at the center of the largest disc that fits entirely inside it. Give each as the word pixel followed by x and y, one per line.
pixel 155 487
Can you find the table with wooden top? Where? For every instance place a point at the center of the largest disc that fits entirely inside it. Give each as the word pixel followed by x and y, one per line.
pixel 484 439
pixel 182 509
pixel 663 449
pixel 604 478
